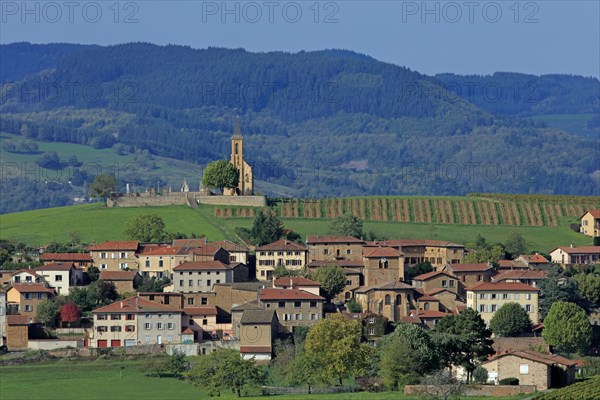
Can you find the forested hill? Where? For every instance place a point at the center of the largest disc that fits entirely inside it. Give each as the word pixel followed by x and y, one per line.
pixel 324 123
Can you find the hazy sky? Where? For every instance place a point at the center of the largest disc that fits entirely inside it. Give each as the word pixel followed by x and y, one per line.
pixel 463 37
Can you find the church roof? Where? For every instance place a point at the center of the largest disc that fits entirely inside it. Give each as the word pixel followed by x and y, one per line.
pixel 237 132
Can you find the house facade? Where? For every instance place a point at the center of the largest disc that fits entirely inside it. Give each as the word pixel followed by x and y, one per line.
pixel 334 248
pixel 293 307
pixel 470 274
pixel 438 253
pixel 238 253
pixel 80 260
pixel 258 330
pixel 487 298
pixel 568 255
pixel 392 300
pixel 62 276
pixel 297 282
pixel 124 281
pixel 590 223
pixel 115 256
pixel 200 276
pixel 281 253
pixel 436 280
pixel 135 321
pixel 159 262
pixel 382 265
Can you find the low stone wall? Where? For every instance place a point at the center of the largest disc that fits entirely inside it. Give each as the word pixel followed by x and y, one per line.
pixel 476 390
pixel 181 199
pixel 208 347
pixel 53 344
pixel 235 201
pixel 187 349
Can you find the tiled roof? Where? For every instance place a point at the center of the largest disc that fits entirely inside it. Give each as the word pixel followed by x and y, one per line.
pixel 57 266
pixel 187 331
pixel 480 267
pixel 257 317
pixel 114 245
pixel 520 274
pixel 200 310
pixel 432 274
pixel 20 271
pixel 435 291
pixel 252 305
pixel 165 250
pixel 201 266
pixel 397 285
pixel 294 281
pixel 17 319
pixel 411 319
pixel 255 349
pixel 117 275
pixel 402 242
pixel 428 297
pixel 431 314
pixel 319 239
pixel 232 247
pixel 502 286
pixel 595 213
pixel 189 242
pixel 31 288
pixel 336 263
pixel 548 359
pixel 66 257
pixel 209 249
pixel 534 258
pixel 580 249
pixel 282 245
pixel 136 305
pixel 287 294
pixel 369 252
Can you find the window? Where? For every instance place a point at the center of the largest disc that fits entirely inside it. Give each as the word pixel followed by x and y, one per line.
pixel 388 299
pixel 191 282
pixel 103 255
pixel 123 265
pixel 208 283
pixel 204 301
pixel 115 328
pixel 524 369
pixel 398 299
pixel 481 308
pixel 27 296
pixel 280 253
pixel 383 263
pixel 481 296
pixel 129 317
pixel 102 329
pixel 493 309
pixel 129 328
pixel 426 306
pixel 325 251
pixel 218 281
pixel 147 326
pixel 297 304
pixel 204 322
pixel 58 278
pixel 529 308
pixel 493 296
pixel 40 296
pixel 190 301
pixel 281 304
pixel 262 253
pixel 451 283
pixel 103 266
pixel 313 304
pixel 181 282
pixel 115 316
pixel 147 263
pixel 159 325
pixel 101 317
pixel 170 325
pixel 505 296
pixel 296 253
pixel 348 251
pixel 148 316
pixel 479 278
pixel 160 263
pixel 528 296
pixel 28 308
pixel 517 296
pixel 371 331
pixel 444 283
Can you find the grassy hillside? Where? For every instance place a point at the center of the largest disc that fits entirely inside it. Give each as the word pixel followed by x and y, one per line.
pixel 97 223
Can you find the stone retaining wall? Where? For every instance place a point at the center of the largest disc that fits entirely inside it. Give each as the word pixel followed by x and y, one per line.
pixel 477 390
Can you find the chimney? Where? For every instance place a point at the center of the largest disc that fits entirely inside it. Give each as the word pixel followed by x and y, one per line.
pixel 571 245
pixel 121 304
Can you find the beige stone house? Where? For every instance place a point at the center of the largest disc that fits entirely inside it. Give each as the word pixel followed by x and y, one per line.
pixel 436 280
pixel 258 330
pixel 115 256
pixel 590 223
pixel 569 255
pixel 124 281
pixel 26 297
pixel 17 332
pixel 334 248
pixel 135 321
pixel 62 276
pixel 297 282
pixel 392 300
pixel 438 253
pixel 238 253
pixel 531 368
pixel 486 298
pixel 159 261
pixel 293 307
pixel 528 277
pixel 534 261
pixel 203 322
pixel 80 260
pixel 281 253
pixel 470 274
pixel 382 265
pixel 200 276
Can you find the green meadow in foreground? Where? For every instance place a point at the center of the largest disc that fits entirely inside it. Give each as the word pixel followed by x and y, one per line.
pixel 97 223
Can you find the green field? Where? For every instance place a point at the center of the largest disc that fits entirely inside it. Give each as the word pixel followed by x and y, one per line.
pixel 97 223
pixel 105 379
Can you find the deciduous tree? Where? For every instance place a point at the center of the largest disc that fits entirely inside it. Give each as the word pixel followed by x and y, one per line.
pixel 567 328
pixel 267 227
pixel 331 278
pixel 220 174
pixel 515 245
pixel 69 313
pixel 347 225
pixel 104 186
pixel 145 228
pixel 47 311
pixel 399 364
pixel 510 320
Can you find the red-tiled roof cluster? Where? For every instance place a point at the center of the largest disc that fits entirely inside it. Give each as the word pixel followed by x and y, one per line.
pixel 287 294
pixel 66 257
pixel 131 245
pixel 282 245
pixel 534 258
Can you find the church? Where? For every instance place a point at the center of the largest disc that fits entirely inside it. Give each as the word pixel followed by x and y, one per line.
pixel 246 183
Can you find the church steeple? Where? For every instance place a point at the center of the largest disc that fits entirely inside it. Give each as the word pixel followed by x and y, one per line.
pixel 237 131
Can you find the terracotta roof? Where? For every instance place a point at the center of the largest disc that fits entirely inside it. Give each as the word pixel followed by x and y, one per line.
pixel 548 359
pixel 381 252
pixel 232 247
pixel 318 239
pixel 336 263
pixel 202 265
pixel 579 249
pixel 66 257
pixel 502 286
pixel 114 245
pixel 20 271
pixel 117 275
pixel 200 310
pixel 187 331
pixel 535 258
pixel 435 291
pixel 432 274
pixel 134 305
pixel 295 281
pixel 512 264
pixel 287 294
pixel 57 266
pixel 428 297
pixel 282 245
pixel 411 319
pixel 397 285
pixel 480 267
pixel 257 317
pixel 255 349
pixel 17 319
pixel 31 288
pixel 197 242
pixel 415 242
pixel 595 214
pixel 252 305
pixel 431 314
pixel 165 250
pixel 520 274
pixel 209 249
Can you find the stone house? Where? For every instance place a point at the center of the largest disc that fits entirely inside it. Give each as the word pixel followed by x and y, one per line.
pixel 80 260
pixel 590 223
pixel 200 276
pixel 62 276
pixel 159 261
pixel 392 300
pixel 297 282
pixel 470 274
pixel 293 307
pixel 27 296
pixel 486 298
pixel 238 253
pixel 534 261
pixel 436 280
pixel 258 329
pixel 124 281
pixel 16 333
pixel 281 253
pixel 438 253
pixel 334 248
pixel 114 255
pixel 382 265
pixel 569 255
pixel 528 277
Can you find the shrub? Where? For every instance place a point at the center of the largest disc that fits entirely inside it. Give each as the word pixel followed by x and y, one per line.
pixel 509 381
pixel 480 375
